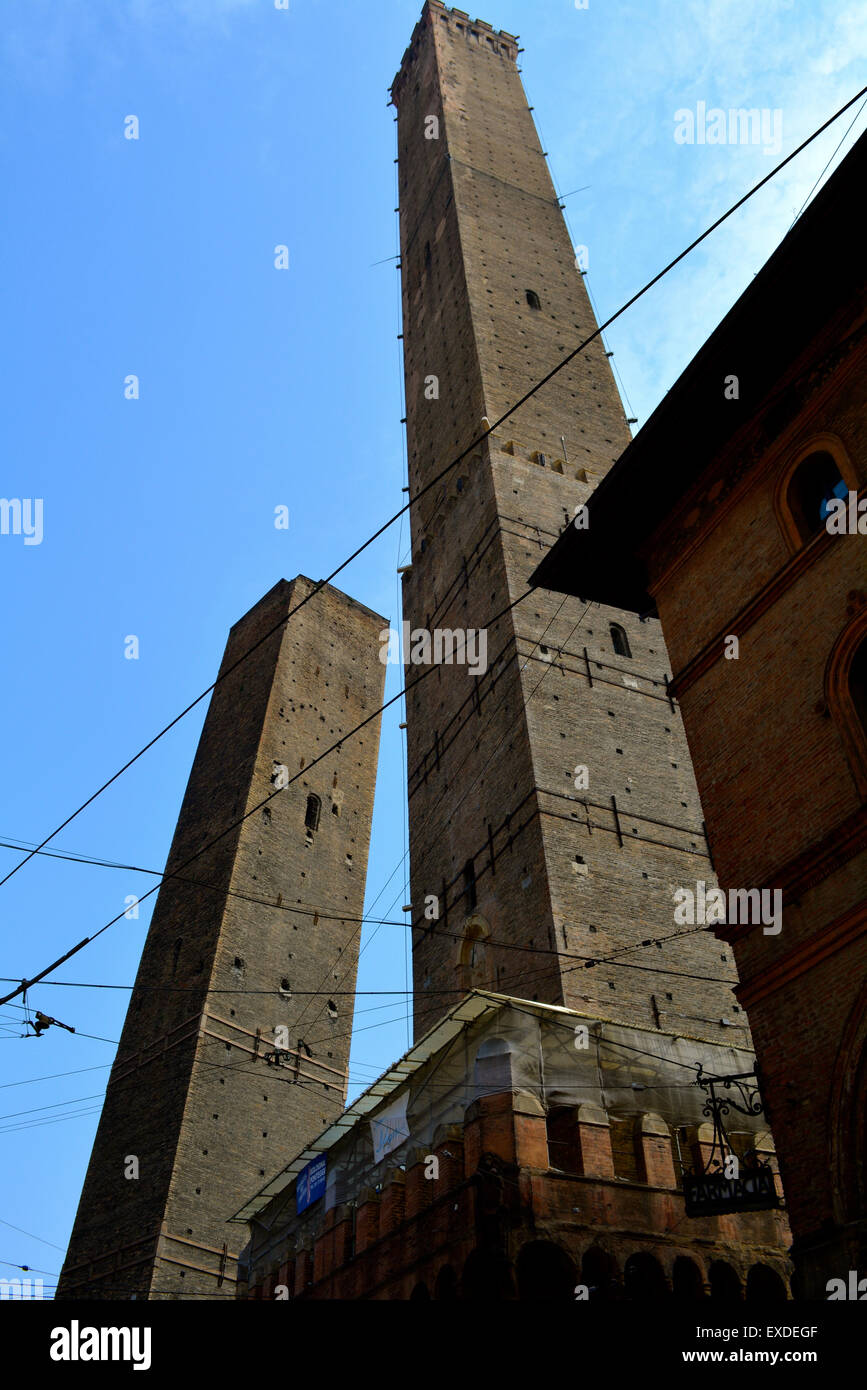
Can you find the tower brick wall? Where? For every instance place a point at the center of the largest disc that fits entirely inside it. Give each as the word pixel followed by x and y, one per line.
pixel 236 944
pixel 523 861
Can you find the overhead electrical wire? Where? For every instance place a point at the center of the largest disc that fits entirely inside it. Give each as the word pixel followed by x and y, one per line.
pixel 479 439
pixel 209 844
pixel 583 962
pixel 40 848
pixel 437 478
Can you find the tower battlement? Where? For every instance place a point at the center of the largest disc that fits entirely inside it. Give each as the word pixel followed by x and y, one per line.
pixel 458 24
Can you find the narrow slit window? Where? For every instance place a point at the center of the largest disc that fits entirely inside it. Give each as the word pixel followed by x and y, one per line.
pixel 311 818
pixel 470 884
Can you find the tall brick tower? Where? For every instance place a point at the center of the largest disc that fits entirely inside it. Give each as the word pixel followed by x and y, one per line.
pixel 205 1097
pixel 531 866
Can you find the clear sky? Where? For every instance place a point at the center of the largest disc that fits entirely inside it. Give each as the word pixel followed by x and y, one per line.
pixel 261 388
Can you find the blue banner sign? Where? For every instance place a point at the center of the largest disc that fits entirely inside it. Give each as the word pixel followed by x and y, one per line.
pixel 310 1185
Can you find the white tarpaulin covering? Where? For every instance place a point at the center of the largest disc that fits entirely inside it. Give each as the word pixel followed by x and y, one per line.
pixel 553 1055
pixel 390 1127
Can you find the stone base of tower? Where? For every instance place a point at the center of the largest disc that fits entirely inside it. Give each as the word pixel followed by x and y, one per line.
pixel 534 1154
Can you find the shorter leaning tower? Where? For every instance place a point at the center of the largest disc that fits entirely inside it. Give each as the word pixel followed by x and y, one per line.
pixel 198 1107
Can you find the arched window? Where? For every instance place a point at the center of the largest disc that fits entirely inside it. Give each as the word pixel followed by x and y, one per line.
pixel 311 818
pixel 619 640
pixel 474 968
pixel 533 299
pixel 814 482
pixel 858 684
pixel 846 688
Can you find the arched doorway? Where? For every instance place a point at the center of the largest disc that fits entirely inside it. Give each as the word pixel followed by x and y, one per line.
pixel 725 1286
pixel 643 1279
pixel 764 1285
pixel 686 1280
pixel 446 1286
pixel 487 1278
pixel 599 1274
pixel 546 1274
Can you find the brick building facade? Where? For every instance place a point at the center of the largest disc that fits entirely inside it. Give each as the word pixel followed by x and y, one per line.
pixel 199 1094
pixel 762 591
pixel 521 1167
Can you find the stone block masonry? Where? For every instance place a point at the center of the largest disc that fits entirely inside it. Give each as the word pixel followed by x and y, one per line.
pixel 267 912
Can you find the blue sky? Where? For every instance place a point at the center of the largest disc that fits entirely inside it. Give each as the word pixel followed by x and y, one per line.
pixel 258 388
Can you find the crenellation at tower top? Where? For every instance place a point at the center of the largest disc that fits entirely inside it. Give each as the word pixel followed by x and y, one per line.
pixel 458 23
